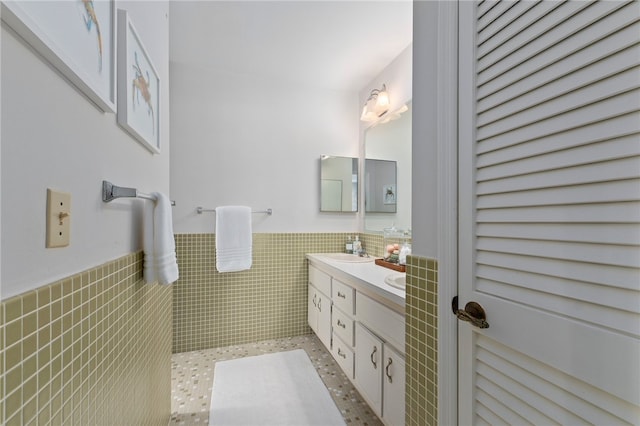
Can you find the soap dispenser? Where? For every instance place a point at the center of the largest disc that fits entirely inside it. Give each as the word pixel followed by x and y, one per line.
pixel 349 245
pixel 357 246
pixel 405 251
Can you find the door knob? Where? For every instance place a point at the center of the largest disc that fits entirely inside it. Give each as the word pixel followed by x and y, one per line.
pixel 472 312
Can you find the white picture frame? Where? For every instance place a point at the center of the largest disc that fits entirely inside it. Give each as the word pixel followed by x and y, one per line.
pixel 76 38
pixel 138 87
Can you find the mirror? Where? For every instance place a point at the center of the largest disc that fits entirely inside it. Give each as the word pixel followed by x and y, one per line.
pixel 338 184
pixel 380 186
pixel 387 155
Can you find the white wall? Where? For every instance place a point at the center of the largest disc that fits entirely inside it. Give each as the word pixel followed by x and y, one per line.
pixel 424 217
pixel 53 137
pixel 397 77
pixel 247 140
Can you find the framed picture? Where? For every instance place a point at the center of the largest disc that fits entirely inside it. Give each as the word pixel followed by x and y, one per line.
pixel 138 87
pixel 389 194
pixel 76 38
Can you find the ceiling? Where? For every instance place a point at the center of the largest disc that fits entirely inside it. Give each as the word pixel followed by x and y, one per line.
pixel 339 45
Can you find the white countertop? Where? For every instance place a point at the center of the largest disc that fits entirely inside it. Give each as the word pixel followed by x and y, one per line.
pixel 365 277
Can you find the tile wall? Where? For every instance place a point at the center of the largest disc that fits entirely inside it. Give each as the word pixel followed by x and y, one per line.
pixel 373 244
pixel 94 348
pixel 421 336
pixel 268 301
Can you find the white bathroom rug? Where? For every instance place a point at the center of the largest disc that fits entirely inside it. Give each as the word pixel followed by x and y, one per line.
pixel 274 389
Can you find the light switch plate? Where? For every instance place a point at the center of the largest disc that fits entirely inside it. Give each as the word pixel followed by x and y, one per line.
pixel 58 218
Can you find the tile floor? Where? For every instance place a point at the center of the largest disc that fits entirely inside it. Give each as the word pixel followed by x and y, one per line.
pixel 192 379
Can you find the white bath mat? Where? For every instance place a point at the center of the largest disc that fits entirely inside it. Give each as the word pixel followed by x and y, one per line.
pixel 273 389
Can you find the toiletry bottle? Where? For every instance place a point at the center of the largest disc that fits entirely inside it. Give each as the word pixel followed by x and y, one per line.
pixel 349 245
pixel 357 246
pixel 405 251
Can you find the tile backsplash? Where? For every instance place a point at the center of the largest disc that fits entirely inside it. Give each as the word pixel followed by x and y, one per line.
pixel 94 348
pixel 373 244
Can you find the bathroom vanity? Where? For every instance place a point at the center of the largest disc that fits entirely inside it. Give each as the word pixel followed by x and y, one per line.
pixel 360 319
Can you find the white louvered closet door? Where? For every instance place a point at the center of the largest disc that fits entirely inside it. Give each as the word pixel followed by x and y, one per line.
pixel 549 206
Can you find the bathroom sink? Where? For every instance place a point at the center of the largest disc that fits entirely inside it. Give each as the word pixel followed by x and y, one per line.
pixel 396 280
pixel 346 257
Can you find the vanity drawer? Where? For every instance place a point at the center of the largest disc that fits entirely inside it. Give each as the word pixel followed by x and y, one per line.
pixel 343 354
pixel 342 325
pixel 381 320
pixel 320 280
pixel 343 297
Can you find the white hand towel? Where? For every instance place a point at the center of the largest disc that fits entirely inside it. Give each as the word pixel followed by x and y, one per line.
pixel 233 238
pixel 160 263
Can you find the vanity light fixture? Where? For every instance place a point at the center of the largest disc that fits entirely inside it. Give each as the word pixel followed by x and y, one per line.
pixel 376 105
pixel 394 115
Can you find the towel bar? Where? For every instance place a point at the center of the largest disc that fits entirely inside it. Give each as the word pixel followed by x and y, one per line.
pixel 110 192
pixel 201 209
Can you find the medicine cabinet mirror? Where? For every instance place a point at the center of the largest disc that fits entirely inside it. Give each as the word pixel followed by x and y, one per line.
pixel 380 186
pixel 338 184
pixel 387 174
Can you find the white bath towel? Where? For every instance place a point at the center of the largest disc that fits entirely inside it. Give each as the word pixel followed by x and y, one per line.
pixel 233 238
pixel 160 263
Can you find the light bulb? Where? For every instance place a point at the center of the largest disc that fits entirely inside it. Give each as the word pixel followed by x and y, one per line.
pixel 383 99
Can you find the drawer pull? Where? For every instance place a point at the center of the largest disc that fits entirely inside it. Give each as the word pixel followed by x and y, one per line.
pixel 373 361
pixel 320 304
pixel 341 324
pixel 342 295
pixel 340 353
pixel 386 370
pixel 314 300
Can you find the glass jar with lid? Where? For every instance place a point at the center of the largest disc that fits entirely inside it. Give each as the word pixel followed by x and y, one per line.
pixel 397 245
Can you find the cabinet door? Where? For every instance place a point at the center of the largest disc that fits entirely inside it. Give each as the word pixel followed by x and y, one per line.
pixel 368 367
pixel 312 309
pixel 393 387
pixel 320 280
pixel 324 320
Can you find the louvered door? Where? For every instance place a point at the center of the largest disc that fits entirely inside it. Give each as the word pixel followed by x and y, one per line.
pixel 550 212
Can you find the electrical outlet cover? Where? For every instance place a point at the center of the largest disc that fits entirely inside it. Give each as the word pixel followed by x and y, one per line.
pixel 58 218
